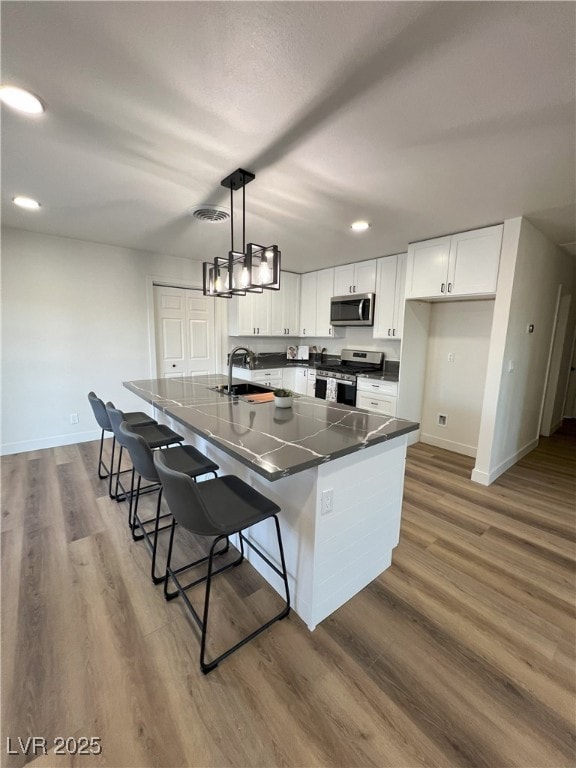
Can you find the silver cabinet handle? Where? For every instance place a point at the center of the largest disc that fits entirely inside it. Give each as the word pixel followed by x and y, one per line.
pixel 389 331
pixel 443 288
pixel 449 287
pixel 330 331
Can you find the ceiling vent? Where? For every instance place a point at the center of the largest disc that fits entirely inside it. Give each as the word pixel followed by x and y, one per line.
pixel 212 213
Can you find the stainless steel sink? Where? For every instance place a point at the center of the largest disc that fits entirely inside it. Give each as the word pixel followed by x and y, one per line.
pixel 240 390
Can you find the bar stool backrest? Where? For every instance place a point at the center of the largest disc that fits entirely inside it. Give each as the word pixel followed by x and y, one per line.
pixel 184 500
pixel 116 418
pixel 100 412
pixel 140 452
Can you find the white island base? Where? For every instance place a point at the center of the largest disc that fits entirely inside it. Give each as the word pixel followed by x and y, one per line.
pixel 340 521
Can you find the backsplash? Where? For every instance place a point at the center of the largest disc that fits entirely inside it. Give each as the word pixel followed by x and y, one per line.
pixel 347 338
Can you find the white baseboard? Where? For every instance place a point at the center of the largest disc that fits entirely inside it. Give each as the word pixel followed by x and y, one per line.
pixel 49 442
pixel 449 445
pixel 487 478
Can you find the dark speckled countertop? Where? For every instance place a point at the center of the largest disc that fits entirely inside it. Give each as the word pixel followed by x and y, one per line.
pixel 275 442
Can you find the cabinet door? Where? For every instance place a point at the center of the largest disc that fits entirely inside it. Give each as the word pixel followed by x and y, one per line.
pixel 427 268
pixel 277 322
pixel 285 306
pixel 324 293
pixel 300 380
pixel 291 303
pixel 311 382
pixel 289 378
pixel 385 297
pixel 365 276
pixel 343 280
pixel 240 316
pixel 474 261
pixel 260 312
pixel 399 296
pixel 308 286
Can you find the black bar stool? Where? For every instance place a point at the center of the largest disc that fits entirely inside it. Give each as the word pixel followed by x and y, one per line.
pixel 217 508
pixel 134 418
pixel 183 458
pixel 156 435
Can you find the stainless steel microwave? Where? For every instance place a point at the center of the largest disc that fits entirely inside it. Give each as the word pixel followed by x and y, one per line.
pixel 355 309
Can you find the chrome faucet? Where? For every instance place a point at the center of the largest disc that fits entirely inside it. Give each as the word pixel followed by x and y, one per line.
pixel 230 359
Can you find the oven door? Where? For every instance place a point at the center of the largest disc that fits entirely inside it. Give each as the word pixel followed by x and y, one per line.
pixel 320 387
pixel 345 390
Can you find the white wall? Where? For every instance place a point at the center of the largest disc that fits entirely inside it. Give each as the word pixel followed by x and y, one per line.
pixel 455 389
pixel 532 270
pixel 75 317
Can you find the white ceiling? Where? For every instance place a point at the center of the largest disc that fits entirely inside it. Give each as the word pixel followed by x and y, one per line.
pixel 424 118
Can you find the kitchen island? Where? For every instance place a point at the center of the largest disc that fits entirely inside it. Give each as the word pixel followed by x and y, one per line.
pixel 337 473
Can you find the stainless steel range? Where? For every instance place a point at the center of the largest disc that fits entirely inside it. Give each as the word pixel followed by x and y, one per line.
pixel 337 381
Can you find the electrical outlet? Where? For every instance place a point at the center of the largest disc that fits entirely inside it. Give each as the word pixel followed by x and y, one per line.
pixel 450 357
pixel 327 500
pixel 442 420
pixel 73 418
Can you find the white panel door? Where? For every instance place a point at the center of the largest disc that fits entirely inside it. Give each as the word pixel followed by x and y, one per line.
pixel 170 322
pixel 200 340
pixel 184 324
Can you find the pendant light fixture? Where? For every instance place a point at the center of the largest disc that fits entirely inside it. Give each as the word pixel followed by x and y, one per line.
pixel 250 270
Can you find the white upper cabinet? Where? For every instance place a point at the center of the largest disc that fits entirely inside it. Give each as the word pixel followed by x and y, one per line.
pixel 270 313
pixel 316 291
pixel 459 265
pixel 390 290
pixel 249 315
pixel 474 261
pixel 324 294
pixel 308 287
pixel 285 306
pixel 355 278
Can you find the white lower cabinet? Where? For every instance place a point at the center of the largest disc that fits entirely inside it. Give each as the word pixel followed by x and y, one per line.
pixel 300 380
pixel 311 382
pixel 378 396
pixel 289 378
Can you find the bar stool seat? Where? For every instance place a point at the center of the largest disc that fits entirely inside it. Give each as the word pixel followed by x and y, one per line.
pixel 181 458
pixel 134 418
pixel 156 435
pixel 217 508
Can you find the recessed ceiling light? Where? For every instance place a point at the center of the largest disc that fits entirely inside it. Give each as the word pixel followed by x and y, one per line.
pixel 26 202
pixel 22 100
pixel 359 226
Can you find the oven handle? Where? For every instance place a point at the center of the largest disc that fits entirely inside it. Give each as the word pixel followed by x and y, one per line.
pixel 338 381
pixel 360 307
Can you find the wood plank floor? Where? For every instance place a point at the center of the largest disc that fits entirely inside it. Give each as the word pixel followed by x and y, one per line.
pixel 461 654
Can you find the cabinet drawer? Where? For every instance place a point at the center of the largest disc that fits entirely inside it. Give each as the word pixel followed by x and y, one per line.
pixel 273 376
pixel 378 387
pixel 378 403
